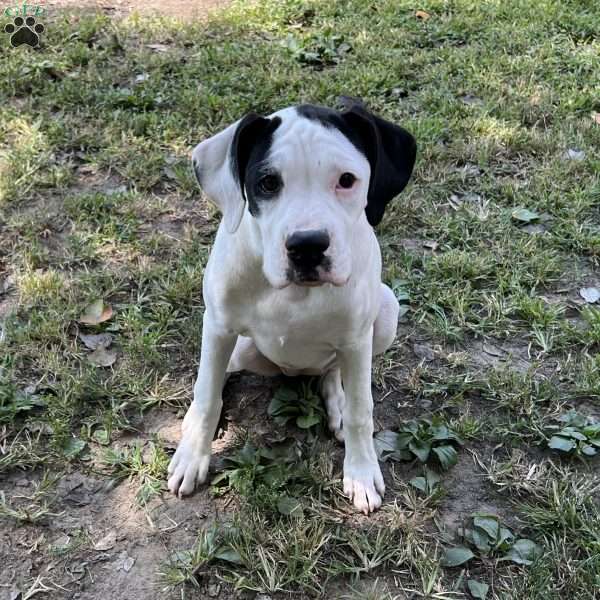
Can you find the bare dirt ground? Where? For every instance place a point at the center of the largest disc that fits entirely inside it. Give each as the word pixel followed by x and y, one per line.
pixel 184 9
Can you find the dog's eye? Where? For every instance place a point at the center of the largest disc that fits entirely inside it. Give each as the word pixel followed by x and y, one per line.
pixel 346 180
pixel 269 184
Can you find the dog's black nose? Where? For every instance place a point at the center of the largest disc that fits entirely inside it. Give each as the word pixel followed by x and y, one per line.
pixel 306 248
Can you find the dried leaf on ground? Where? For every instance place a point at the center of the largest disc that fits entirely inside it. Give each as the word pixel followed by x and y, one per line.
pixel 590 294
pixel 107 542
pixel 94 341
pixel 574 154
pixel 524 215
pixel 95 313
pixel 103 357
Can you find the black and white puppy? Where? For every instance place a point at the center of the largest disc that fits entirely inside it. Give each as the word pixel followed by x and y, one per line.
pixel 293 282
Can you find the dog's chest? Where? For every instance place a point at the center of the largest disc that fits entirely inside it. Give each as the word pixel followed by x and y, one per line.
pixel 297 329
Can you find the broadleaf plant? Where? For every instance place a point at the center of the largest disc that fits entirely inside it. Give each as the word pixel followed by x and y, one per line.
pixel 424 439
pixel 277 479
pixel 304 406
pixel 576 434
pixel 426 483
pixel 486 534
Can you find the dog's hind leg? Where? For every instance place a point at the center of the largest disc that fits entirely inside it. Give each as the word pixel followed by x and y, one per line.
pixel 333 395
pixel 386 323
pixel 247 357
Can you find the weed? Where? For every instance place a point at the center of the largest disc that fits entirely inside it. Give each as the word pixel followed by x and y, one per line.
pixel 148 468
pixel 422 439
pixel 303 406
pixel 576 434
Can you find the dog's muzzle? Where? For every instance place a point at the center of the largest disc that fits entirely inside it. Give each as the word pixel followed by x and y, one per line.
pixel 306 254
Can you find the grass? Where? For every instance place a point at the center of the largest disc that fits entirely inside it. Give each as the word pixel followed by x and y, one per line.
pixel 97 202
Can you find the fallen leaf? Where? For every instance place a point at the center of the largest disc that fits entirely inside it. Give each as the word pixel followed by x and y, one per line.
pixel 128 563
pixel 590 294
pixel 524 215
pixel 120 189
pixel 141 77
pixel 492 350
pixel 95 341
pixel 534 228
pixel 107 542
pixel 455 201
pixel 596 117
pixel 103 357
pixel 574 154
pixel 430 245
pixel 470 99
pixel 97 312
pixel 422 15
pixel 158 47
pixel 469 170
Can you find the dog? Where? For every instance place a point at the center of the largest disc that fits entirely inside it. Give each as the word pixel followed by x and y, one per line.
pixel 293 282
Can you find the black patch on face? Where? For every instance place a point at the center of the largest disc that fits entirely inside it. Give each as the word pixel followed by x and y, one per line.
pixel 249 152
pixel 390 150
pixel 332 118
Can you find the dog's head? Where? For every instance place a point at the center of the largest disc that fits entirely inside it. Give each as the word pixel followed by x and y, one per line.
pixel 305 175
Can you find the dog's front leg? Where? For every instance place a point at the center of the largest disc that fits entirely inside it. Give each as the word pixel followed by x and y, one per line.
pixel 363 482
pixel 189 465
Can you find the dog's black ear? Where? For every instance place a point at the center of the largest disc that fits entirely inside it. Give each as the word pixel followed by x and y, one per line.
pixel 252 131
pixel 391 152
pixel 220 164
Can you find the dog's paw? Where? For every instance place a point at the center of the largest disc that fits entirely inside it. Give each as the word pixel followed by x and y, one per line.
pixel 334 422
pixel 188 468
pixel 337 431
pixel 334 404
pixel 364 486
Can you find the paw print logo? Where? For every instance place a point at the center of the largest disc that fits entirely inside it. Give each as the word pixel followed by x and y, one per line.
pixel 24 31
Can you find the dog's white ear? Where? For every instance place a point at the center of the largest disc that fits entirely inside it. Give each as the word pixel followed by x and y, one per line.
pixel 211 160
pixel 220 165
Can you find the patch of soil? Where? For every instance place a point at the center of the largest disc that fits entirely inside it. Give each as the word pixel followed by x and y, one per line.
pixel 183 9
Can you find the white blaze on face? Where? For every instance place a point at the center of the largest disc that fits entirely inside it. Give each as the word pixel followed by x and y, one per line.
pixel 310 159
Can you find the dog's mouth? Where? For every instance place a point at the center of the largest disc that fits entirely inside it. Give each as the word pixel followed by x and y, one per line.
pixel 310 278
pixel 313 278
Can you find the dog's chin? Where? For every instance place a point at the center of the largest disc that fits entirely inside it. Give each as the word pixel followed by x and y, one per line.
pixel 314 278
pixel 309 283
